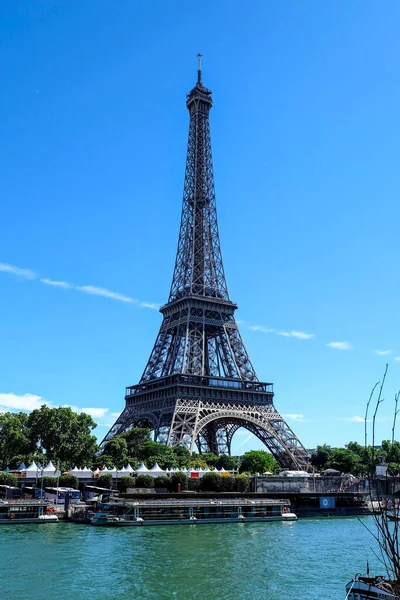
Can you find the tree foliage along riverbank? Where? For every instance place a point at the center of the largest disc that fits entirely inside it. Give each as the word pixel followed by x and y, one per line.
pixel 66 438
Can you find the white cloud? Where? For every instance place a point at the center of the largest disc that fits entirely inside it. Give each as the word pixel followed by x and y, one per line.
pixel 61 284
pixel 21 402
pixel 295 417
pixel 355 419
pixel 340 345
pixel 98 291
pixel 96 413
pixel 25 273
pixel 261 328
pixel 382 352
pixel 296 334
pixel 396 358
pixel 116 415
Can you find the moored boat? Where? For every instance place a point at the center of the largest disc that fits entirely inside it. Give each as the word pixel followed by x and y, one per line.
pixel 372 588
pixel 191 512
pixel 17 512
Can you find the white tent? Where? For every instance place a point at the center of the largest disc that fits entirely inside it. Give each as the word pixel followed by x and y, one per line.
pixel 33 468
pixel 129 468
pixel 142 469
pixel 51 471
pixel 156 471
pixel 85 472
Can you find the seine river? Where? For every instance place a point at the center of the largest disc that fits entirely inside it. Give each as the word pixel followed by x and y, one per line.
pixel 308 559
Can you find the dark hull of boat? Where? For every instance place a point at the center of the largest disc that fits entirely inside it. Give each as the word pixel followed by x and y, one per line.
pixel 369 589
pixel 133 523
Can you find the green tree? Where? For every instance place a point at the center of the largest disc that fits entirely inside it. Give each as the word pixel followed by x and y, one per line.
pixel 117 450
pixel 320 457
pixel 162 482
pixel 179 478
pixel 227 462
pixel 126 482
pixel 227 484
pixel 242 483
pixel 136 438
pixel 210 459
pixel 145 481
pixel 344 460
pixel 257 461
pixel 50 482
pixel 182 456
pixel 69 481
pixel 64 435
pixel 14 436
pixel 210 482
pixel 8 479
pixel 104 460
pixel 105 481
pixel 157 453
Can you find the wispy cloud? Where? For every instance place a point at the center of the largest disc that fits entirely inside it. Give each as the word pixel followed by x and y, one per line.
pixel 396 358
pixel 96 413
pixel 98 291
pixel 295 417
pixel 85 289
pixel 247 439
pixel 25 273
pixel 340 345
pixel 151 305
pixel 301 335
pixel 60 284
pixel 382 352
pixel 355 419
pixel 262 328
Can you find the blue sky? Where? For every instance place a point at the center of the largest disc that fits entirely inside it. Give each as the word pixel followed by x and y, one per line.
pixel 305 129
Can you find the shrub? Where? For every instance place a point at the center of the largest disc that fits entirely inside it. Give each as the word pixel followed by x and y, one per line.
pixel 177 478
pixel 126 482
pixel 145 481
pixel 50 482
pixel 162 482
pixel 227 484
pixel 8 479
pixel 105 481
pixel 194 484
pixel 69 481
pixel 242 483
pixel 211 482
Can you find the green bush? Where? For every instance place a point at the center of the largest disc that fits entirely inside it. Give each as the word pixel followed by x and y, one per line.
pixel 69 481
pixel 242 483
pixel 50 482
pixel 194 485
pixel 126 482
pixel 145 481
pixel 162 482
pixel 105 481
pixel 211 482
pixel 177 478
pixel 227 484
pixel 8 479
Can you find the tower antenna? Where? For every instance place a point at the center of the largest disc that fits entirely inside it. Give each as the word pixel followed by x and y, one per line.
pixel 199 67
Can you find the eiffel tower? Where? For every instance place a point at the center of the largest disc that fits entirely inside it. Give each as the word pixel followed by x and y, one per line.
pixel 199 386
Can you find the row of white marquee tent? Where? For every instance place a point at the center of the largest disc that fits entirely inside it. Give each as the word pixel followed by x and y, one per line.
pixel 156 471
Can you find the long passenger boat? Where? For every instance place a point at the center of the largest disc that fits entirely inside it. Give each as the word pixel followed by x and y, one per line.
pixel 17 512
pixel 192 511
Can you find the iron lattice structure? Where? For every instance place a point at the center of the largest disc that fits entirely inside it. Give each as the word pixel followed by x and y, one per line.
pixel 199 385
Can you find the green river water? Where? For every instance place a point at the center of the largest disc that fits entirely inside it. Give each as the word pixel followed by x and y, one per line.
pixel 305 560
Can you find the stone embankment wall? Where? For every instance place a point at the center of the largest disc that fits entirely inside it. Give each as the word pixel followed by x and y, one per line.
pixel 319 485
